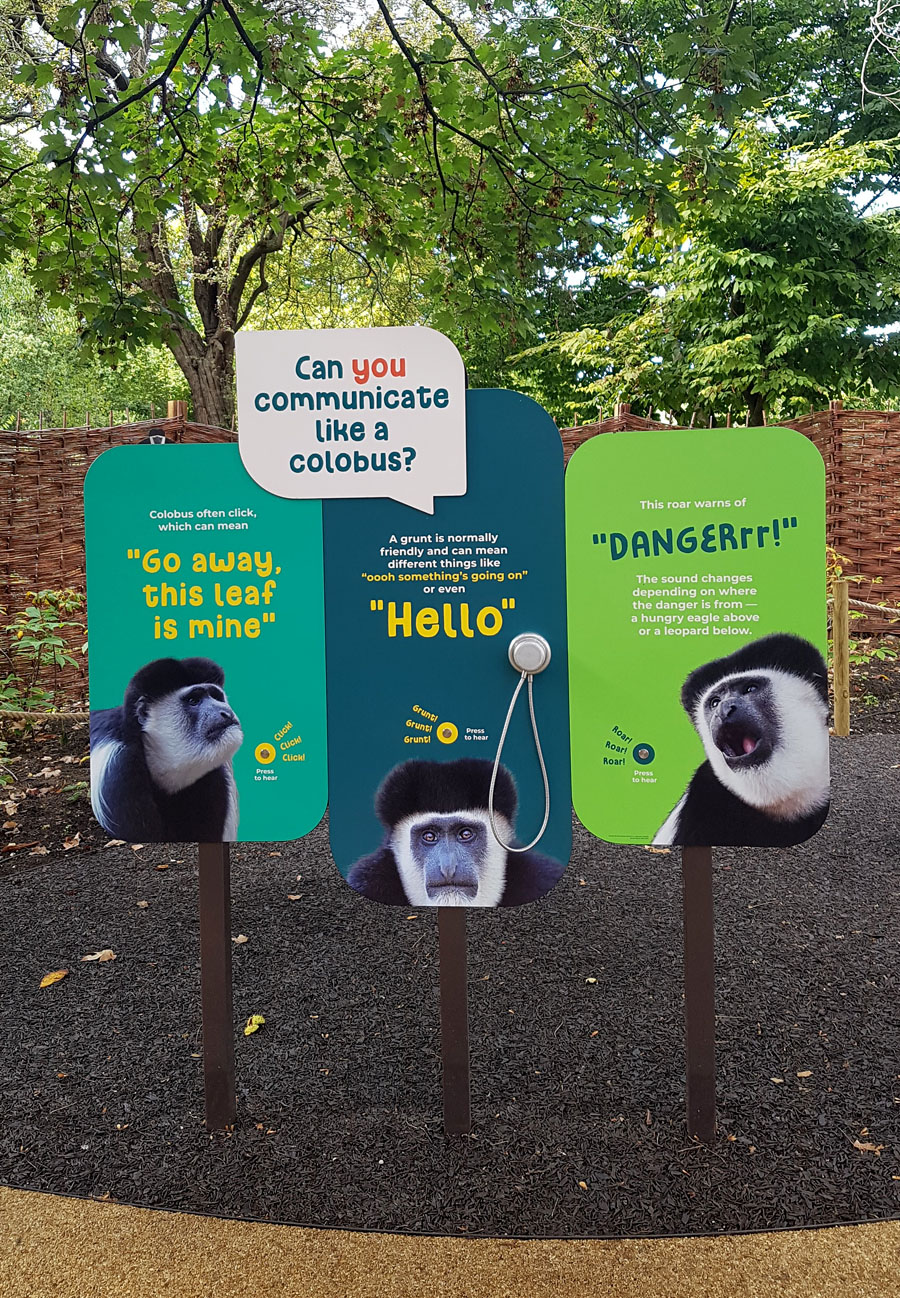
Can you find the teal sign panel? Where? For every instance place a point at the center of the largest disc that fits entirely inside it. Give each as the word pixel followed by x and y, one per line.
pixel 206 649
pixel 420 615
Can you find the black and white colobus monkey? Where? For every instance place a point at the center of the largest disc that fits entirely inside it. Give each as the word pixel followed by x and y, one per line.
pixel 438 848
pixel 161 762
pixel 762 714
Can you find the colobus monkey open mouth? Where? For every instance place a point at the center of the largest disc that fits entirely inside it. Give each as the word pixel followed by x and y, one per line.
pixel 736 742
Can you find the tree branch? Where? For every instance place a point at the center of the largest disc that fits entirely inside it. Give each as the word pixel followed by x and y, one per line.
pixel 261 287
pixel 97 119
pixel 272 241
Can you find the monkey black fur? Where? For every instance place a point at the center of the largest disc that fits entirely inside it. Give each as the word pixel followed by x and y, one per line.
pixel 438 847
pixel 161 761
pixel 762 714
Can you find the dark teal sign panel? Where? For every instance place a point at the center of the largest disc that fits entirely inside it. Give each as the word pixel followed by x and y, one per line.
pixel 206 649
pixel 420 613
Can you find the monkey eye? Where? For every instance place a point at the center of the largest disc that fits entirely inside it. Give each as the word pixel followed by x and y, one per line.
pixel 466 835
pixel 749 689
pixel 429 836
pixel 195 697
pixel 714 701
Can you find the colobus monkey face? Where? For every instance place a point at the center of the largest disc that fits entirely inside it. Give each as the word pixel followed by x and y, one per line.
pixel 439 848
pixel 186 733
pixel 448 850
pixel 766 737
pixel 450 859
pixel 742 720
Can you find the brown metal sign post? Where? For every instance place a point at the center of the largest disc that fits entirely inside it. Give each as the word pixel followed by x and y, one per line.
pixel 699 991
pixel 215 985
pixel 454 1020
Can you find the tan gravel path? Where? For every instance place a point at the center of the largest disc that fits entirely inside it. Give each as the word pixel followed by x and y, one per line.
pixel 52 1247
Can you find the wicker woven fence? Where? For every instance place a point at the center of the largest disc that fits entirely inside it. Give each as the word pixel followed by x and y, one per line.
pixel 42 513
pixel 861 450
pixel 42 479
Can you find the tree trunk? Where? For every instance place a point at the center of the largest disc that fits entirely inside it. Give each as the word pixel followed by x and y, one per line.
pixel 208 366
pixel 755 410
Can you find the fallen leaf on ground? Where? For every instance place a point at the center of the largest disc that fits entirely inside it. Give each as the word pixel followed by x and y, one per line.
pixel 163 865
pixel 46 773
pixel 590 980
pixel 582 1185
pixel 39 851
pixel 137 847
pixel 17 847
pixel 100 956
pixel 294 896
pixel 253 1024
pixel 69 843
pixel 807 1072
pixel 867 1147
pixel 11 824
pixel 657 851
pixel 57 976
pixel 776 1080
pixel 142 905
pixel 115 842
pixel 10 808
pixel 240 939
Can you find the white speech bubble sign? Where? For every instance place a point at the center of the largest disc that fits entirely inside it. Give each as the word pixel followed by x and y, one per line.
pixel 347 413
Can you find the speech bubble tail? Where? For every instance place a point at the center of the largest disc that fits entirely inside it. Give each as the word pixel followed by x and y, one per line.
pixel 416 498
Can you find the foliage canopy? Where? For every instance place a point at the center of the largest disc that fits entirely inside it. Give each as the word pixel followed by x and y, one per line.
pixel 765 295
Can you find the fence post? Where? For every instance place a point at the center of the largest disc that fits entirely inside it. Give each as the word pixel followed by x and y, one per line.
pixel 840 645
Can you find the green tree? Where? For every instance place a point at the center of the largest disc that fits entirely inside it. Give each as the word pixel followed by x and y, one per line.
pixel 763 295
pixel 723 58
pixel 47 373
pixel 182 149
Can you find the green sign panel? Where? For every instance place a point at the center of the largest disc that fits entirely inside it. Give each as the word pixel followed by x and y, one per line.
pixel 696 574
pixel 206 649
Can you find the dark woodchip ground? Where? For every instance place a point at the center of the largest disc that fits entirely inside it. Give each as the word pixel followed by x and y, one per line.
pixel 576 1028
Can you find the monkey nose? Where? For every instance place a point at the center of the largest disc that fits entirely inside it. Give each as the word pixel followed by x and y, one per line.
pixel 448 869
